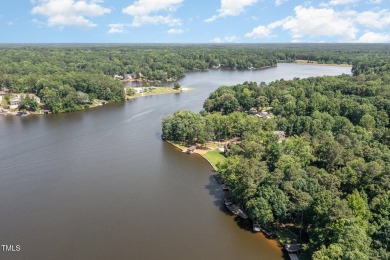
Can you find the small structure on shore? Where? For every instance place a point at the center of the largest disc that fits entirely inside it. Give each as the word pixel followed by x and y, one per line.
pixel 225 187
pixel 191 149
pixel 293 248
pixel 235 209
pixel 252 111
pixel 256 227
pixel 118 77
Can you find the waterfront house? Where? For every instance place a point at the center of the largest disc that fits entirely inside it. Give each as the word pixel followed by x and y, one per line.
pixel 83 97
pixel 130 76
pixel 252 111
pixel 118 77
pixel 14 101
pixel 138 90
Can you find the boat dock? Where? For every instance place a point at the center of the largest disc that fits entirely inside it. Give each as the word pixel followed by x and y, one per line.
pixel 235 209
pixel 256 227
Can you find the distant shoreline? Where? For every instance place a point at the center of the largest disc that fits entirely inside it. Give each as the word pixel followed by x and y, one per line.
pixel 306 62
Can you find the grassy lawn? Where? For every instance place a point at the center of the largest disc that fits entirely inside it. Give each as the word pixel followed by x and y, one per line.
pixel 178 145
pixel 214 157
pixel 159 91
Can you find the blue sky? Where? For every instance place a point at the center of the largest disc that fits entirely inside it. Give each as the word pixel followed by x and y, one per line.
pixel 193 21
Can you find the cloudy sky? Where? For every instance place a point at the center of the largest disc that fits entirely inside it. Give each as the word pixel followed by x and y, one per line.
pixel 194 21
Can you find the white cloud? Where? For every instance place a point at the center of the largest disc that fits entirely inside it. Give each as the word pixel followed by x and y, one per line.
pixel 69 12
pixel 326 22
pixel 372 37
pixel 141 11
pixel 320 22
pixel 372 19
pixel 10 23
pixel 259 32
pixel 227 39
pixel 312 22
pixel 117 28
pixel 175 31
pixel 342 2
pixel 231 8
pixel 279 2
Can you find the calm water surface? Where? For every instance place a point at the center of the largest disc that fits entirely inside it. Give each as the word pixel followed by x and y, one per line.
pixel 100 184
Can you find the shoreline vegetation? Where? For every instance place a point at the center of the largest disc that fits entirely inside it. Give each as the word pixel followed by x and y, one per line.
pixel 158 91
pixel 314 167
pixel 211 152
pixel 97 102
pixel 309 62
pixel 67 78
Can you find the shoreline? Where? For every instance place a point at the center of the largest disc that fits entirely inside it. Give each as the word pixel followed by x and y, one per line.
pixel 166 90
pixel 276 241
pixel 315 63
pixel 95 104
pixel 202 154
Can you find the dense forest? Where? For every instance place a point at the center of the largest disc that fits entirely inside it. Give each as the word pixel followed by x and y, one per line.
pixel 329 177
pixel 65 77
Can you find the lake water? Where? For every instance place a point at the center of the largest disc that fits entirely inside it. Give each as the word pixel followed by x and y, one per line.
pixel 101 184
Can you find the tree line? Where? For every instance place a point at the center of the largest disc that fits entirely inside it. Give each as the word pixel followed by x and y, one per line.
pixel 62 75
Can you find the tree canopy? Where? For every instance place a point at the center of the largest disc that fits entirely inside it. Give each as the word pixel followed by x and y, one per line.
pixel 329 177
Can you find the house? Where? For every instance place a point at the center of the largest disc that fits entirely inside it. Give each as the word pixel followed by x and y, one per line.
pixel 14 101
pixel 83 97
pixel 264 115
pixel 118 77
pixel 252 111
pixel 138 90
pixel 130 76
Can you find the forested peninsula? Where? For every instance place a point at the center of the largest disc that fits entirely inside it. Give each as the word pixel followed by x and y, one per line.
pixel 65 77
pixel 309 156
